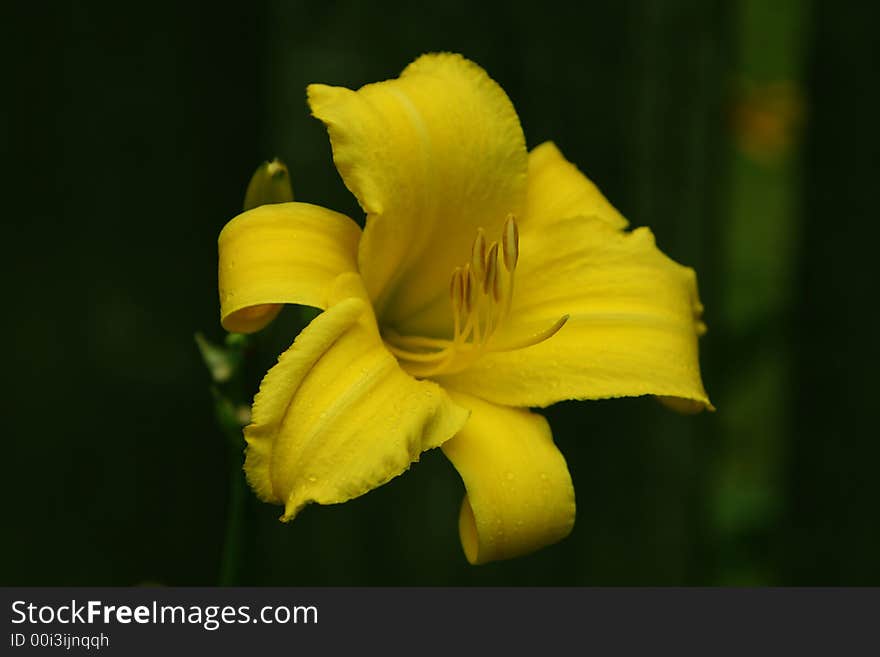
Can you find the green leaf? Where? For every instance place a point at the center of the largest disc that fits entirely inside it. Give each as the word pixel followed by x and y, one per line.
pixel 222 362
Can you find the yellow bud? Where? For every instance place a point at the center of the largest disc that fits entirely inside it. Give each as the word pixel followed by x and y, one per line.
pixel 269 184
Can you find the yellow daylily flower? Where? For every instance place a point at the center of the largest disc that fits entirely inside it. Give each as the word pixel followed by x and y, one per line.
pixel 488 280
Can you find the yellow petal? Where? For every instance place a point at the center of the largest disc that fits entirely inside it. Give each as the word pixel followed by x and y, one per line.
pixel 557 188
pixel 281 253
pixel 519 493
pixel 430 156
pixel 337 417
pixel 634 319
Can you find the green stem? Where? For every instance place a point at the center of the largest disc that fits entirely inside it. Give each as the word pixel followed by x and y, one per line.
pixel 230 564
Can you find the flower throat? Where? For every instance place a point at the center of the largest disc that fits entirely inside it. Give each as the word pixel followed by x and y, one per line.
pixel 481 293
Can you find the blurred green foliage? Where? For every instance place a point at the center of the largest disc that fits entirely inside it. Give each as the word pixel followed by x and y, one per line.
pixel 131 132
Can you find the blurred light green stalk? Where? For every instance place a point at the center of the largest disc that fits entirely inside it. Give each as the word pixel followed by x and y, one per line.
pixel 759 240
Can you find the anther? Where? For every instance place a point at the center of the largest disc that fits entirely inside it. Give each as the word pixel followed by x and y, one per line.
pixel 470 288
pixel 496 287
pixel 491 268
pixel 510 248
pixel 456 292
pixel 478 256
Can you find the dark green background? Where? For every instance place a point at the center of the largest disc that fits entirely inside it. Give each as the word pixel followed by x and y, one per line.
pixel 129 137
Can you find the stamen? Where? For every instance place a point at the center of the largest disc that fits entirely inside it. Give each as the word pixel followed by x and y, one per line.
pixel 491 268
pixel 416 341
pixel 470 289
pixel 478 256
pixel 510 243
pixel 496 288
pixel 510 252
pixel 456 292
pixel 481 293
pixel 417 357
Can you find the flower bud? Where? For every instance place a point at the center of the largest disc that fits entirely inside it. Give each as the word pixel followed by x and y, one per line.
pixel 269 184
